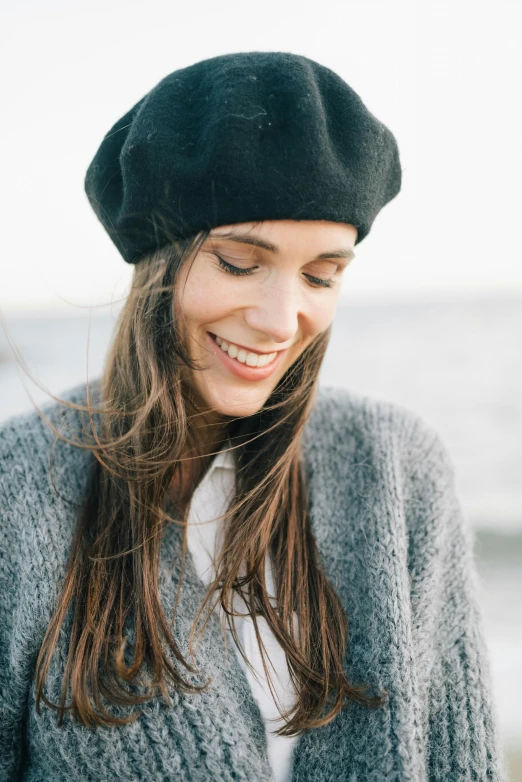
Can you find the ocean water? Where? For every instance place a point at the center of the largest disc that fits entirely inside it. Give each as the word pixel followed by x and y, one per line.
pixel 455 361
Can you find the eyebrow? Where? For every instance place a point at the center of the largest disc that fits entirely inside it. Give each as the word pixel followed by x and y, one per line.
pixel 343 252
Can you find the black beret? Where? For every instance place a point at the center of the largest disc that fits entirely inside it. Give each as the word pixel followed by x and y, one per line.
pixel 241 137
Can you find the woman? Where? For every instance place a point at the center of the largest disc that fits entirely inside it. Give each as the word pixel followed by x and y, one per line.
pixel 203 492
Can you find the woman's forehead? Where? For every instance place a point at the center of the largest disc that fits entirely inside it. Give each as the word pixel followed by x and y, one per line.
pixel 294 227
pixel 275 235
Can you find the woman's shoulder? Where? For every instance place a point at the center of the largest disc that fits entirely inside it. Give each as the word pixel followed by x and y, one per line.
pixel 378 426
pixel 390 454
pixel 31 421
pixel 26 438
pixel 42 477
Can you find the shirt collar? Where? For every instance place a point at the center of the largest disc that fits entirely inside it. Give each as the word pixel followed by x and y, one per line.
pixel 224 458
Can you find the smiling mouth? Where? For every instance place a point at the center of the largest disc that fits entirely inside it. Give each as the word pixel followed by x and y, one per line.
pixel 248 357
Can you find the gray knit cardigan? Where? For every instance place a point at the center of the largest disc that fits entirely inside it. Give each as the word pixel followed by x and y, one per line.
pixel 395 545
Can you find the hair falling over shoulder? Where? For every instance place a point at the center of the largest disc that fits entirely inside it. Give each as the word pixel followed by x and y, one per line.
pixel 146 428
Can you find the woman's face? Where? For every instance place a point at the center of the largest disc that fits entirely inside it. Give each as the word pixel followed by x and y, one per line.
pixel 273 291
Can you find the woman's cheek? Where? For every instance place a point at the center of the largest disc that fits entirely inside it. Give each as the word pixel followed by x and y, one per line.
pixel 321 315
pixel 202 297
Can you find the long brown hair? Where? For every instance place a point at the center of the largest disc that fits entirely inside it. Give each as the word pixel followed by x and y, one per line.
pixel 147 422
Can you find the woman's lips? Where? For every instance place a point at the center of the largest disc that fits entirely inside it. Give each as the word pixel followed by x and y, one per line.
pixel 243 370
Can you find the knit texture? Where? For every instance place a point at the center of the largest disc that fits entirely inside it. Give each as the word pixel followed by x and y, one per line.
pixel 236 138
pixel 395 545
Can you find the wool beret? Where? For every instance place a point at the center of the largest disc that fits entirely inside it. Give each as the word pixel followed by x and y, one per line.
pixel 241 137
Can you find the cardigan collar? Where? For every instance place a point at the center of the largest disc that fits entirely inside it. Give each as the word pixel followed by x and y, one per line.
pixel 229 724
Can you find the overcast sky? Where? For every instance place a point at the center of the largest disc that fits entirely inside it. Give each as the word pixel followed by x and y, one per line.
pixel 444 76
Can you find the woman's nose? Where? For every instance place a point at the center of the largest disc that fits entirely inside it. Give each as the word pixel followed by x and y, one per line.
pixel 275 314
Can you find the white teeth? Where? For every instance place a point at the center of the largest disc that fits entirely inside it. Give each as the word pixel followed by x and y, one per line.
pixel 245 357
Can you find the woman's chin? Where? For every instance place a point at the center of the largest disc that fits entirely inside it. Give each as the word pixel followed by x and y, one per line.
pixel 235 402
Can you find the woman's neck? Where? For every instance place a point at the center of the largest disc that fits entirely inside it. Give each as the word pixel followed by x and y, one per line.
pixel 210 436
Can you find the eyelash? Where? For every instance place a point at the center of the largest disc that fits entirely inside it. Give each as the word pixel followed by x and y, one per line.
pixel 228 267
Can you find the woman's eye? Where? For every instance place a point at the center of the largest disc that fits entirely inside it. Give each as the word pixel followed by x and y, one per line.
pixel 234 269
pixel 321 283
pixel 228 267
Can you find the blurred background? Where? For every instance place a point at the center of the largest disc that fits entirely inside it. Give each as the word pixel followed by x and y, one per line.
pixel 430 312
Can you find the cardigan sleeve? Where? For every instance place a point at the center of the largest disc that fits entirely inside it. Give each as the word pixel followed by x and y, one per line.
pixel 13 683
pixel 458 725
pixel 17 600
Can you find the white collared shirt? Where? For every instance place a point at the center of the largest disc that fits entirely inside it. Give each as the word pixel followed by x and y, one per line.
pixel 209 501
